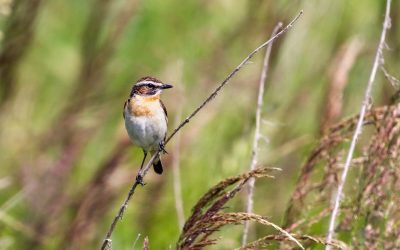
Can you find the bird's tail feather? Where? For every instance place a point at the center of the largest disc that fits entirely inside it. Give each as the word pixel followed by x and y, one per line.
pixel 157 165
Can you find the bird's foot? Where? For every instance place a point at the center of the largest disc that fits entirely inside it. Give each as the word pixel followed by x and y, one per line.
pixel 139 180
pixel 161 148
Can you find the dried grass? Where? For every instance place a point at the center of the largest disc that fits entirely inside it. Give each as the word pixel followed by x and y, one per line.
pixel 369 212
pixel 266 240
pixel 208 216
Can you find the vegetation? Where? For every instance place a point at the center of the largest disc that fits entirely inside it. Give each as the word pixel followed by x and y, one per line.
pixel 66 68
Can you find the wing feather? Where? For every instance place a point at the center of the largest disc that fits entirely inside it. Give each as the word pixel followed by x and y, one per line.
pixel 123 111
pixel 166 115
pixel 165 110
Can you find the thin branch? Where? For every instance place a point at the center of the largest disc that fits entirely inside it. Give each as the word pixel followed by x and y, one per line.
pixel 257 136
pixel 357 132
pixel 142 173
pixel 214 94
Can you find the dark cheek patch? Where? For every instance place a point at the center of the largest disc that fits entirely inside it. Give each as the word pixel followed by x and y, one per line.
pixel 144 90
pixel 147 91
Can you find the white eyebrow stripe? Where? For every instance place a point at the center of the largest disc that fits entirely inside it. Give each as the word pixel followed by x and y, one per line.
pixel 148 82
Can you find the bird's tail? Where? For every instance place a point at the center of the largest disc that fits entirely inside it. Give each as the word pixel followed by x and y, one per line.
pixel 157 165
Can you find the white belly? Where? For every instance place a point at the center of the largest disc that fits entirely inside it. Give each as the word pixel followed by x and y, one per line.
pixel 146 131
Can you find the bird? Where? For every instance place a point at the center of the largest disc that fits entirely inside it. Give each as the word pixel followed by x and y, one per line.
pixel 146 118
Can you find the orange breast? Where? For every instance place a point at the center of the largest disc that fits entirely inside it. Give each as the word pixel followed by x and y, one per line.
pixel 139 110
pixel 143 107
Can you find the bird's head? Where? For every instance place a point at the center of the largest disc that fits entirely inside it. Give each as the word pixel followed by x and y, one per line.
pixel 148 86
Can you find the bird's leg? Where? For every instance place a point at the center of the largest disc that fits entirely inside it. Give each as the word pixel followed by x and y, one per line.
pixel 144 158
pixel 161 147
pixel 139 177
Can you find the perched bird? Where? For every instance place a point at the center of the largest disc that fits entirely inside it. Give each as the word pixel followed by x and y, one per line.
pixel 146 117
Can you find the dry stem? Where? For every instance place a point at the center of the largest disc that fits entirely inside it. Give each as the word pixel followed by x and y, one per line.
pixel 357 132
pixel 264 73
pixel 142 173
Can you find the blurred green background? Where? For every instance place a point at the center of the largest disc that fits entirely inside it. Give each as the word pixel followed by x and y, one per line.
pixel 67 67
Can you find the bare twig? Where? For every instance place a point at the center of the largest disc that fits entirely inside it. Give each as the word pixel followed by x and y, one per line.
pixel 142 173
pixel 357 132
pixel 214 94
pixel 253 162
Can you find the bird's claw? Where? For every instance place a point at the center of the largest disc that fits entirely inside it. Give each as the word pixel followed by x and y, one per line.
pixel 139 180
pixel 161 147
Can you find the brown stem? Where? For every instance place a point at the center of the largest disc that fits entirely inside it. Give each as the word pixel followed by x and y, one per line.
pixel 257 134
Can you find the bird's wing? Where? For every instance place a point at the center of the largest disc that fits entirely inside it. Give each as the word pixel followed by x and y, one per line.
pixel 165 110
pixel 166 115
pixel 123 111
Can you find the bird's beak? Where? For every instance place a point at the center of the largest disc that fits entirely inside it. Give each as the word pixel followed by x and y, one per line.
pixel 166 86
